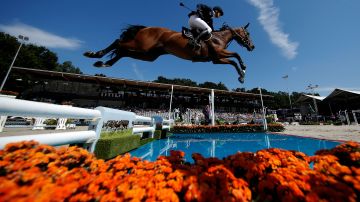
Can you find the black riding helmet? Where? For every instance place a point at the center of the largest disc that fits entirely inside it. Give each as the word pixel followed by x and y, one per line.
pixel 218 9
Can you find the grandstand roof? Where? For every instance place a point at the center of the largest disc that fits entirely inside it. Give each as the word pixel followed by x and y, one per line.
pixel 306 98
pixel 343 94
pixel 119 81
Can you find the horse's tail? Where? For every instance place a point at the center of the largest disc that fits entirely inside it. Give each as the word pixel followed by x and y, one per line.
pixel 128 34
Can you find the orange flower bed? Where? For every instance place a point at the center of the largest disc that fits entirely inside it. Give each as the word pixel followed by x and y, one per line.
pixel 33 172
pixel 226 128
pixel 5 92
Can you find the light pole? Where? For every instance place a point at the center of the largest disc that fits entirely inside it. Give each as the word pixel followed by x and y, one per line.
pixel 311 87
pixel 22 39
pixel 171 98
pixel 263 110
pixel 286 77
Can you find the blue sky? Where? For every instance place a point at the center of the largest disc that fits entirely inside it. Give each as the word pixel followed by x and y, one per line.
pixel 314 42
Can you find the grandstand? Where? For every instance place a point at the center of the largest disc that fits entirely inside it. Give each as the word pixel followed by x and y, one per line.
pixel 141 96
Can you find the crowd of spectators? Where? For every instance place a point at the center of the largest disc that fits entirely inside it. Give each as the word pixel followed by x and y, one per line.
pixel 183 115
pixel 198 116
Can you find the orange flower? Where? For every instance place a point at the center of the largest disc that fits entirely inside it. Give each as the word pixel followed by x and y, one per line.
pixel 33 172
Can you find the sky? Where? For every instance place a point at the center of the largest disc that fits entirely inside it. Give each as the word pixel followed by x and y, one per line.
pixel 297 43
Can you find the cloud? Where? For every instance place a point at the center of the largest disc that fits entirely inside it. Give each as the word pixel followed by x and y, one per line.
pixel 269 19
pixel 137 72
pixel 41 37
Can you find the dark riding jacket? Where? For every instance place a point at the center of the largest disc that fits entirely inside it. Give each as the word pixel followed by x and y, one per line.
pixel 205 13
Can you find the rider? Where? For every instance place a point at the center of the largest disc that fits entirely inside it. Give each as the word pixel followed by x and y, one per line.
pixel 202 19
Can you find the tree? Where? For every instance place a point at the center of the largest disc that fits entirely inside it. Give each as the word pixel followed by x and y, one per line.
pixel 189 82
pixel 8 49
pixel 67 66
pixel 162 79
pixel 30 56
pixel 36 57
pixel 176 81
pixel 211 85
pixel 102 75
pixel 222 86
pixel 239 90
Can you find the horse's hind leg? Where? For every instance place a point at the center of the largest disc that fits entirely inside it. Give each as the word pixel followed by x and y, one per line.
pixel 108 63
pixel 101 53
pixel 145 56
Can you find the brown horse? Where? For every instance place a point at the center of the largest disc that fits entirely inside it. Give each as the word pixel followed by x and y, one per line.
pixel 148 43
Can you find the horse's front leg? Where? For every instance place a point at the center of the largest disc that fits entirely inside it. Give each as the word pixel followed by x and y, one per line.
pixel 227 54
pixel 101 53
pixel 233 63
pixel 242 65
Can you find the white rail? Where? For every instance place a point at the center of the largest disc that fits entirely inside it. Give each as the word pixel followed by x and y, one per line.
pixel 99 115
pixel 53 138
pixel 144 129
pixel 16 107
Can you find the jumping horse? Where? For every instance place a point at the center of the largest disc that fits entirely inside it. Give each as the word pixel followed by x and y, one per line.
pixel 148 43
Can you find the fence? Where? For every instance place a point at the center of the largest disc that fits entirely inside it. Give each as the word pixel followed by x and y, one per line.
pixel 99 116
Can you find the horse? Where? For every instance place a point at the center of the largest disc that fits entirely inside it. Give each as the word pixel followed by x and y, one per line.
pixel 148 43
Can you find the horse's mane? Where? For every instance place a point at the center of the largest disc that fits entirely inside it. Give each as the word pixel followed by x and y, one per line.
pixel 130 31
pixel 224 27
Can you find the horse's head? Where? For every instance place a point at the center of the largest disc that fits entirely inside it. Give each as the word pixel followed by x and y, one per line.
pixel 242 37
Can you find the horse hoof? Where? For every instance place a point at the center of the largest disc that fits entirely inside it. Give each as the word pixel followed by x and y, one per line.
pixel 99 64
pixel 242 73
pixel 91 54
pixel 241 79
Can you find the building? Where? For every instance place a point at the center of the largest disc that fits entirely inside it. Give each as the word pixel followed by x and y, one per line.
pixel 339 103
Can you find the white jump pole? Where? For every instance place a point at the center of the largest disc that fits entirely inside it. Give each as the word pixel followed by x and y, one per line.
pixel 263 110
pixel 212 108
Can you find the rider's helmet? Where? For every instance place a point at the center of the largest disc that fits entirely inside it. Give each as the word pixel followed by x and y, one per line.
pixel 218 11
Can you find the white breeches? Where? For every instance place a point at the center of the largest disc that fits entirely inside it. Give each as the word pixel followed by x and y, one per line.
pixel 197 23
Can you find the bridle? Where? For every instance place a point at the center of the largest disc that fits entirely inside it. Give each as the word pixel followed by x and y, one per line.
pixel 245 40
pixel 236 35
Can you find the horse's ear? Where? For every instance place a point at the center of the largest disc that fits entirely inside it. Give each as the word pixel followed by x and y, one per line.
pixel 247 25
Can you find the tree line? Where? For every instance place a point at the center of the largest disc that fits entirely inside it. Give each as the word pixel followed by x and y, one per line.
pixel 30 56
